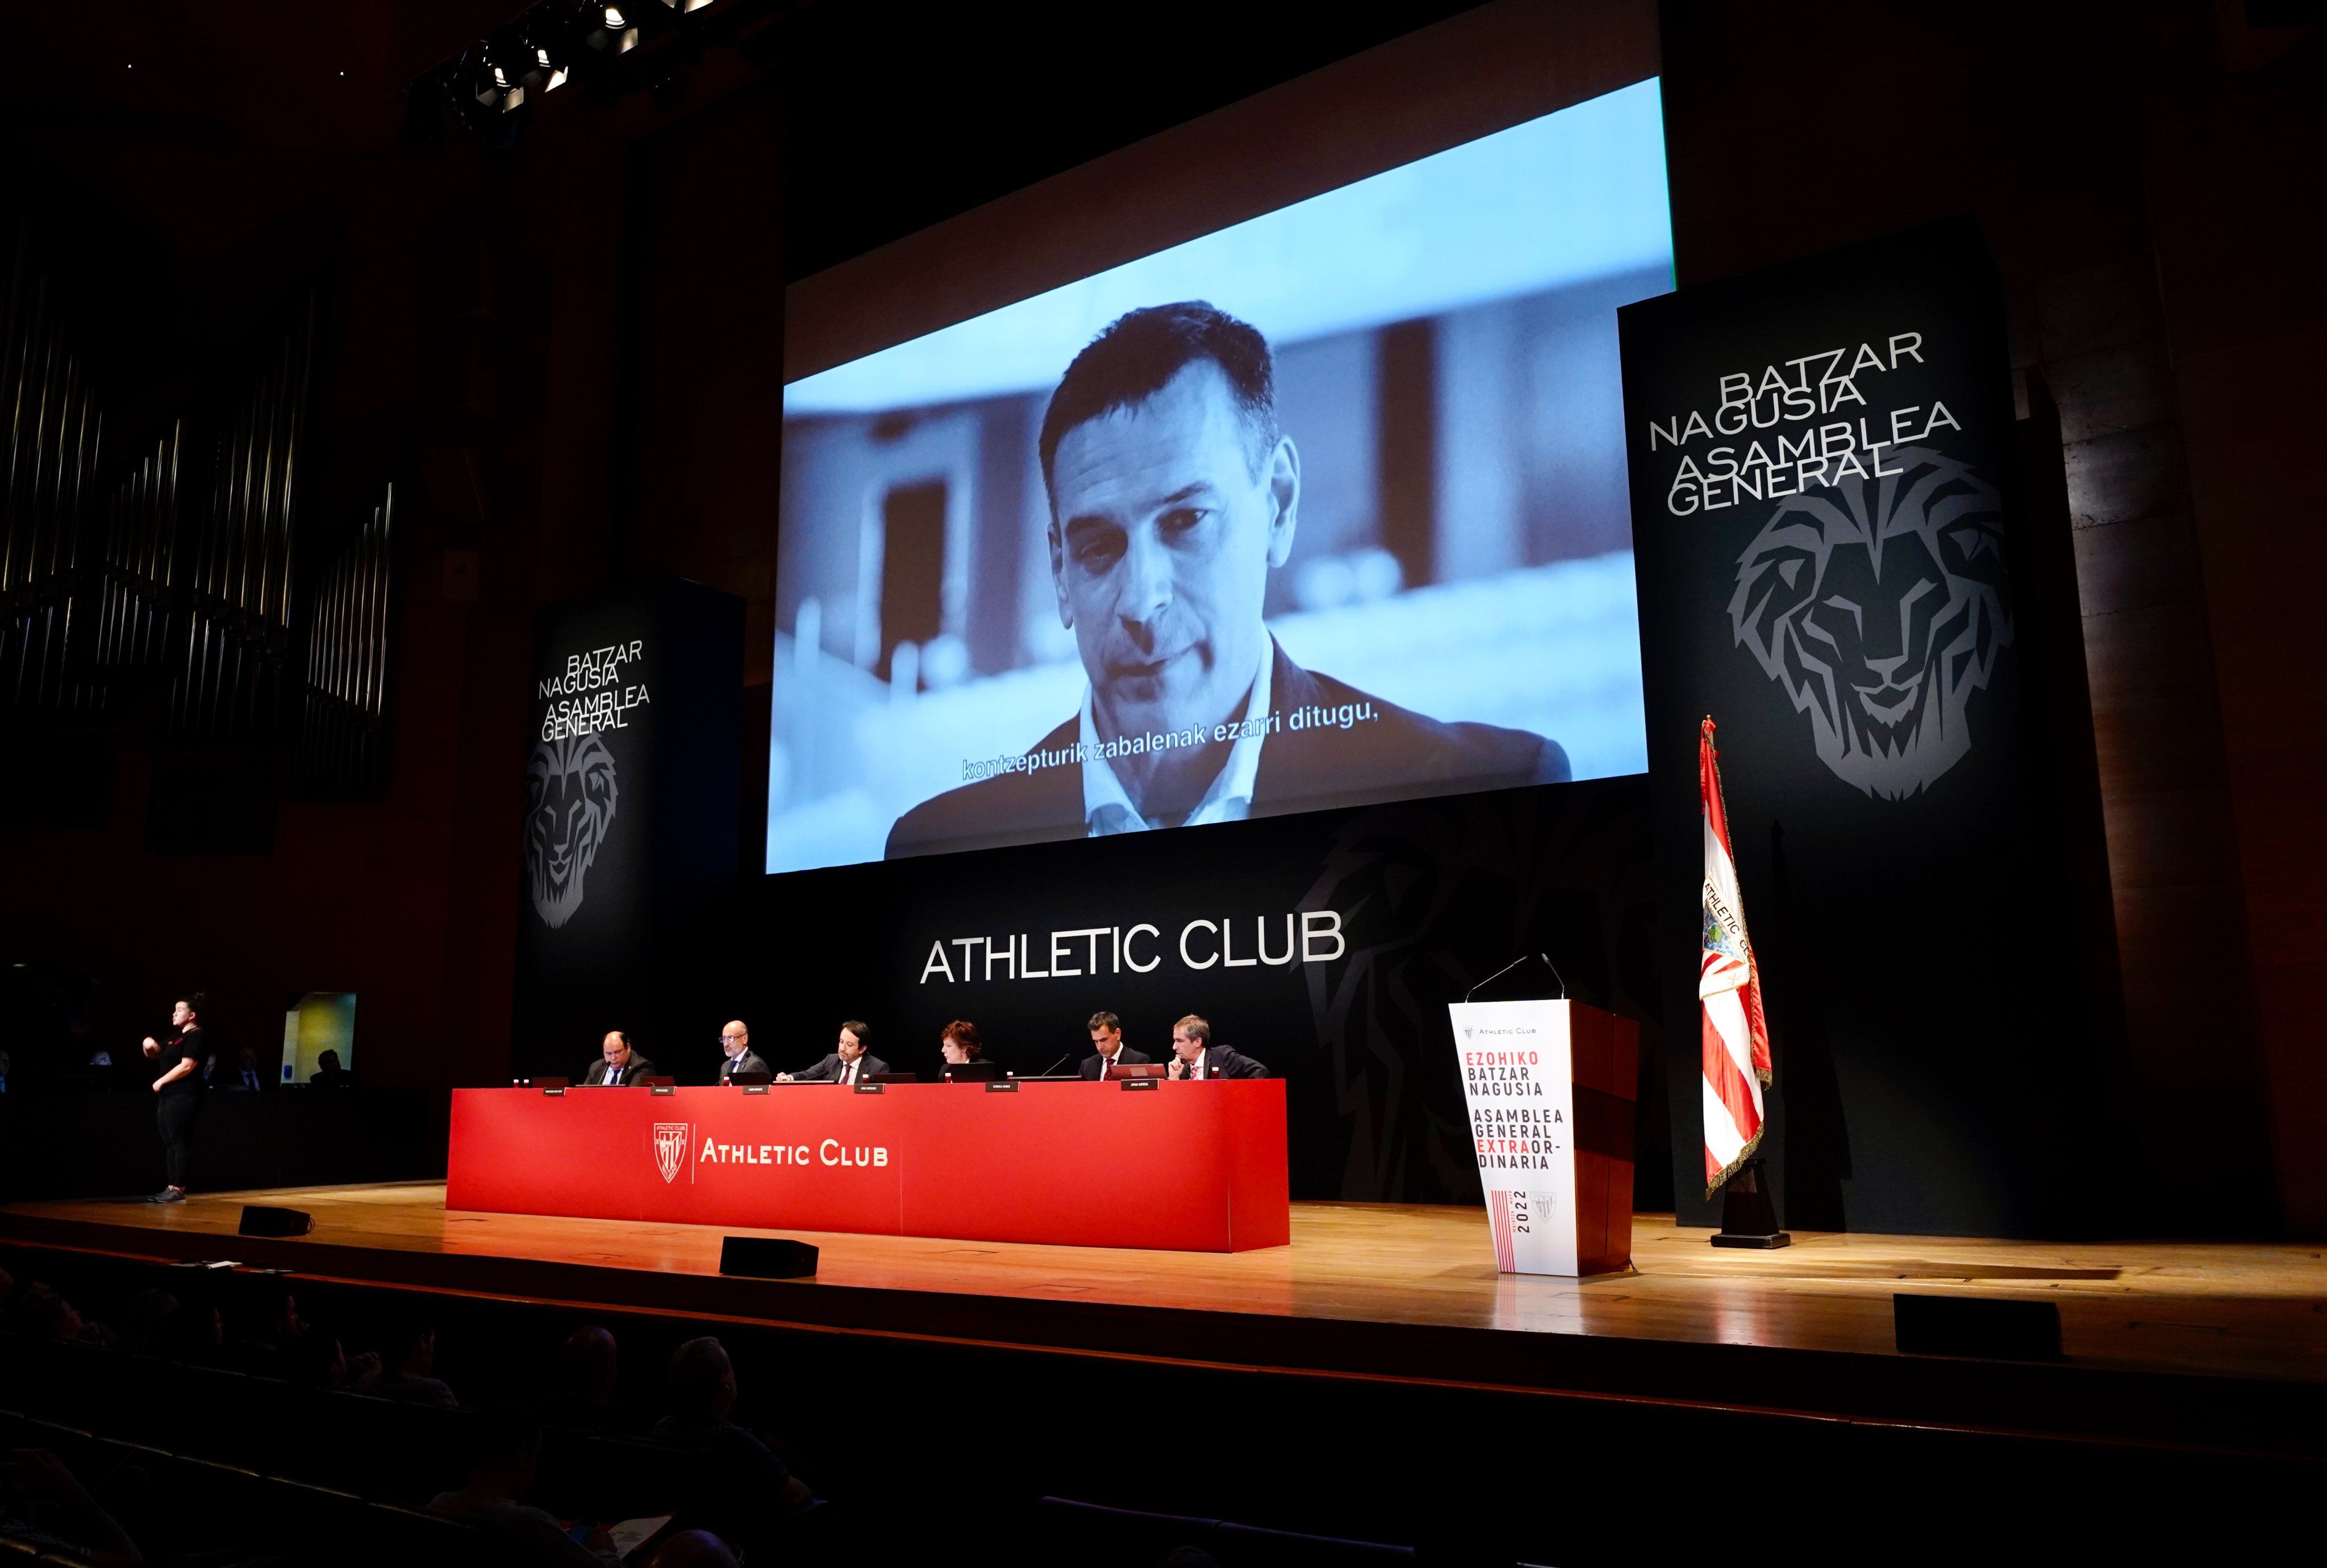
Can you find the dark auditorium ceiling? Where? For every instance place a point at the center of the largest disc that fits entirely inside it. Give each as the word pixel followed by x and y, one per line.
pixel 260 93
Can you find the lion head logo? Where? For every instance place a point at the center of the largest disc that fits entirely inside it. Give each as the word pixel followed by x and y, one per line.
pixel 570 797
pixel 1881 605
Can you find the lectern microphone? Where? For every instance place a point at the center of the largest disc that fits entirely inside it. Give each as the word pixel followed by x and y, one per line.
pixel 1542 958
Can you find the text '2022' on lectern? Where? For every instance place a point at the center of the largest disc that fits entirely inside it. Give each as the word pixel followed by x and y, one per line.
pixel 1550 1086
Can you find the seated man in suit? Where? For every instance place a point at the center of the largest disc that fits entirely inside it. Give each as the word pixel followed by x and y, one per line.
pixel 736 1041
pixel 1194 1056
pixel 1173 495
pixel 848 1062
pixel 617 1065
pixel 1110 1052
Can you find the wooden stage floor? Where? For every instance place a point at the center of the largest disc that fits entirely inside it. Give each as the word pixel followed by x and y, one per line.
pixel 1386 1290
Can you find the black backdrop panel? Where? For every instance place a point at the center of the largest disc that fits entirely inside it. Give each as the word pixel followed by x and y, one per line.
pixel 1405 905
pixel 633 770
pixel 1861 644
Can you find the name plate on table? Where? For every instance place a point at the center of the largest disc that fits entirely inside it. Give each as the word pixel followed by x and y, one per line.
pixel 870 1088
pixel 755 1088
pixel 662 1089
pixel 553 1092
pixel 1140 1083
pixel 999 1087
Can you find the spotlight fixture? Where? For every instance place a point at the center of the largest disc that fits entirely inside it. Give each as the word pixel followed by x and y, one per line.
pixel 607 29
pixel 543 53
pixel 489 83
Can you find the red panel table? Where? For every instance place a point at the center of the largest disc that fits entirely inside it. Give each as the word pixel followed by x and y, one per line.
pixel 1190 1167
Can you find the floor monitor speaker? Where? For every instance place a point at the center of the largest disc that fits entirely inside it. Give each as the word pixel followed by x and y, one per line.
pixel 1977 1326
pixel 766 1258
pixel 258 1219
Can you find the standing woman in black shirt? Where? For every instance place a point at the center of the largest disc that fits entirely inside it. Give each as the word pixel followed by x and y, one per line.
pixel 177 1093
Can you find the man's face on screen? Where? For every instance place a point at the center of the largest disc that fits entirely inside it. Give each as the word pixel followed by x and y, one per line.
pixel 851 1048
pixel 1106 1040
pixel 616 1051
pixel 1164 530
pixel 1187 1047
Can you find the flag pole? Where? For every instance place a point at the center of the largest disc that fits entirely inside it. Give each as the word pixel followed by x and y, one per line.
pixel 1735 1037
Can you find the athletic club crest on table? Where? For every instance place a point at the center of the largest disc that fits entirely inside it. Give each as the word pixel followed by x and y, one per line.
pixel 670 1143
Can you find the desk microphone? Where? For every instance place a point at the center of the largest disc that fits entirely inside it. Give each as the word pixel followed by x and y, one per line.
pixel 1054 1066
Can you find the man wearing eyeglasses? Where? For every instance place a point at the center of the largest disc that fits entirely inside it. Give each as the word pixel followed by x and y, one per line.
pixel 736 1041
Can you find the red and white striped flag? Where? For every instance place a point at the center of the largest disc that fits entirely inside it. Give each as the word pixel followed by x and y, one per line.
pixel 1728 992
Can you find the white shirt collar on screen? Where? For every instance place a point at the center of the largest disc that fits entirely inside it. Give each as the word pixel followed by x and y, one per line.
pixel 1106 808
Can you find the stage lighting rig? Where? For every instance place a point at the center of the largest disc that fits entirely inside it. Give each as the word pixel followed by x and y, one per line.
pixel 612 47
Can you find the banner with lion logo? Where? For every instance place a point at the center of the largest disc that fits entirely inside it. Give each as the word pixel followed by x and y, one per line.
pixel 1835 553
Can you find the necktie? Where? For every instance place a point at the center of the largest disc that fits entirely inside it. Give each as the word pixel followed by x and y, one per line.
pixel 1104 1062
pixel 848 1073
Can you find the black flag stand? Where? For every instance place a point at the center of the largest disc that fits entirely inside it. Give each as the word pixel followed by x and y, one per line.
pixel 1747 1218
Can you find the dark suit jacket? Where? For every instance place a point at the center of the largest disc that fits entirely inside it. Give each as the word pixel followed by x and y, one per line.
pixel 1123 1057
pixel 750 1061
pixel 1225 1061
pixel 1394 754
pixel 829 1068
pixel 639 1068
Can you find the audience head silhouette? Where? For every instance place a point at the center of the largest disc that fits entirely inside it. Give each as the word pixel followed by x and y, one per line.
pixel 587 1364
pixel 702 1382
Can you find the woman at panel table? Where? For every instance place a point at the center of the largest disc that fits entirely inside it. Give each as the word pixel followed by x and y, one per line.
pixel 960 1043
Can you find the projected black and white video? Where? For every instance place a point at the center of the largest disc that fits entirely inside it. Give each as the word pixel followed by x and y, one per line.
pixel 1322 508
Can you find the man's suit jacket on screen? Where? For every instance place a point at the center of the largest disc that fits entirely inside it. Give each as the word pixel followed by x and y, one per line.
pixel 829 1069
pixel 1225 1061
pixel 639 1068
pixel 1394 754
pixel 749 1061
pixel 1123 1057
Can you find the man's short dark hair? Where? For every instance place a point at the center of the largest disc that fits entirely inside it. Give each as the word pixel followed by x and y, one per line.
pixel 1107 1021
pixel 1195 1028
pixel 860 1028
pixel 1130 362
pixel 196 1000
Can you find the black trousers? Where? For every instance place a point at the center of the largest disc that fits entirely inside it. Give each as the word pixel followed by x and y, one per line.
pixel 174 1114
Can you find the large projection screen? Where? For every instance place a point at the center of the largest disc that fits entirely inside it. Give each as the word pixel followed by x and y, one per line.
pixel 1335 512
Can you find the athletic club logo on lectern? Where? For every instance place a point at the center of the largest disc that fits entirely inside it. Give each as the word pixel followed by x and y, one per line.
pixel 670 1145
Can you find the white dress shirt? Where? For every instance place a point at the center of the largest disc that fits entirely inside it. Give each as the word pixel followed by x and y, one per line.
pixel 1107 809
